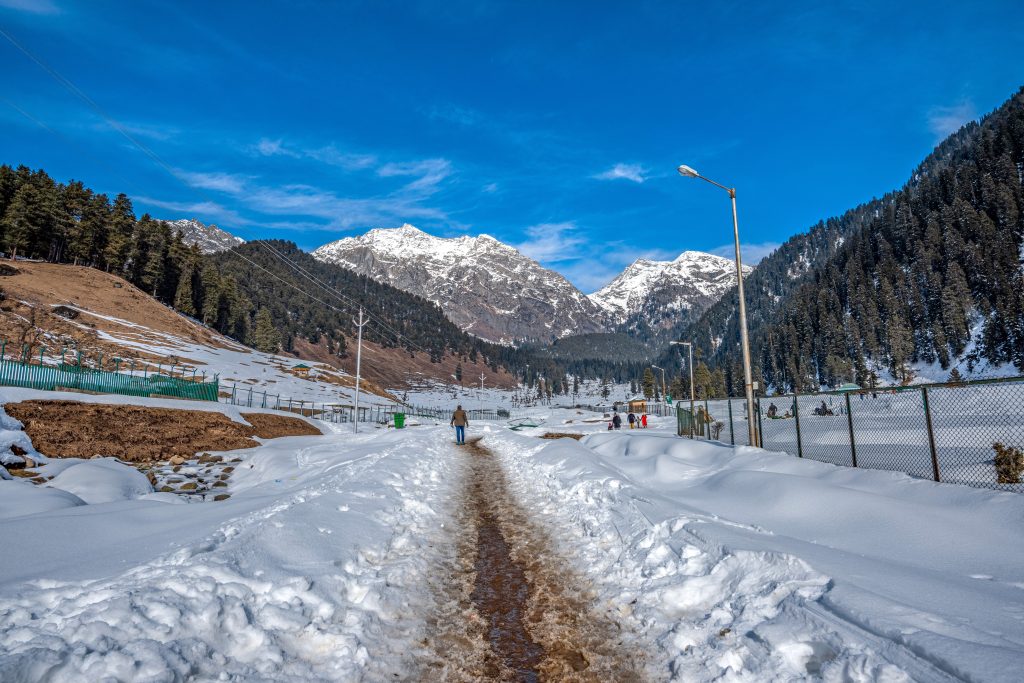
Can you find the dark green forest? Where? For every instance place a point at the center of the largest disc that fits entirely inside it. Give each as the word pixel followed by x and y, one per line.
pixel 265 295
pixel 899 280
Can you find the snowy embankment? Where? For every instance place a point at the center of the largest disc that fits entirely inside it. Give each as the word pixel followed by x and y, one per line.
pixel 759 566
pixel 315 569
pixel 328 560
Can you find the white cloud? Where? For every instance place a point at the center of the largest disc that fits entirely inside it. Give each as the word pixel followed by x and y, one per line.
pixel 33 6
pixel 271 148
pixel 328 154
pixel 552 242
pixel 431 173
pixel 752 254
pixel 490 188
pixel 403 204
pixel 633 172
pixel 229 183
pixel 944 121
pixel 208 212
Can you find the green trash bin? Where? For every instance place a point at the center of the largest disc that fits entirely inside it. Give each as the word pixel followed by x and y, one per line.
pixel 399 420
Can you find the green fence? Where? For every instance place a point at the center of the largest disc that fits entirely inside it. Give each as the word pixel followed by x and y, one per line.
pixel 75 377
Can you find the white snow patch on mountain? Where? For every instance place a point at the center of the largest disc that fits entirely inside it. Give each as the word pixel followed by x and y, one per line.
pixel 694 278
pixel 209 238
pixel 484 286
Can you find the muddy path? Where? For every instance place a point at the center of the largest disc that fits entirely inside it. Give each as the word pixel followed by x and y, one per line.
pixel 513 610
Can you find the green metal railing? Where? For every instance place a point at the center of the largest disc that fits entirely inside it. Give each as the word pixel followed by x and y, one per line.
pixel 28 375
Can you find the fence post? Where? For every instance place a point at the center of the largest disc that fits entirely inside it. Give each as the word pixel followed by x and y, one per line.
pixel 796 414
pixel 760 428
pixel 849 421
pixel 931 433
pixel 732 431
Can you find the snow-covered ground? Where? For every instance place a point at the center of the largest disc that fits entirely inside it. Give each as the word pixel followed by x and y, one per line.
pixel 329 560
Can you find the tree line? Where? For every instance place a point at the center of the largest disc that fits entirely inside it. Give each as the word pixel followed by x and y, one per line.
pixel 927 274
pixel 232 291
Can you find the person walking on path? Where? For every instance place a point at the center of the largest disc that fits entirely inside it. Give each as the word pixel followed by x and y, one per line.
pixel 643 421
pixel 617 421
pixel 460 421
pixel 631 418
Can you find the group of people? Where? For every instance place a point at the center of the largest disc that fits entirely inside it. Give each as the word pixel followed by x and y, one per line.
pixel 635 421
pixel 823 409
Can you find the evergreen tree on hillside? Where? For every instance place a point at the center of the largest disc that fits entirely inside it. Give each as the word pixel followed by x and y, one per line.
pixel 184 298
pixel 648 383
pixel 119 234
pixel 266 337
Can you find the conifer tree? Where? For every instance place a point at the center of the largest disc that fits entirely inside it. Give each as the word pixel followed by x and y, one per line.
pixel 648 383
pixel 266 338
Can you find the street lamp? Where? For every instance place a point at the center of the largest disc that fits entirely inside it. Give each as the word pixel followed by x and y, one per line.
pixel 663 392
pixel 689 346
pixel 748 382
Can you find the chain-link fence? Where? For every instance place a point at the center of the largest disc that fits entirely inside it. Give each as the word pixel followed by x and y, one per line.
pixel 969 433
pixel 339 413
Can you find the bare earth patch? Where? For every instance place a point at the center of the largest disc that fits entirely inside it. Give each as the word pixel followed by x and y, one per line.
pixel 142 434
pixel 561 435
pixel 516 612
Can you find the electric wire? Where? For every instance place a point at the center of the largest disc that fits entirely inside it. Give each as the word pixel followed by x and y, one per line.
pixel 153 156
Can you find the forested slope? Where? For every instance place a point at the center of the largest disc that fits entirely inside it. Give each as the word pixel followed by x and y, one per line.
pixel 928 274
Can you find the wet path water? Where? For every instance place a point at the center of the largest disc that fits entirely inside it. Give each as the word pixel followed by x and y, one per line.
pixel 514 610
pixel 500 594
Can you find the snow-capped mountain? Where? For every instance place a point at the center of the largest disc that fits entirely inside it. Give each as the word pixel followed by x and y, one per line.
pixel 210 238
pixel 659 291
pixel 486 287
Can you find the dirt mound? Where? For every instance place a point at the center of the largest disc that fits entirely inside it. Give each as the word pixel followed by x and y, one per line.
pixel 142 434
pixel 270 426
pixel 562 435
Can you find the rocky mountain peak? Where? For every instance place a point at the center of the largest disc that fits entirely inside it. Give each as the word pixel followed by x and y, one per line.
pixel 209 238
pixel 485 286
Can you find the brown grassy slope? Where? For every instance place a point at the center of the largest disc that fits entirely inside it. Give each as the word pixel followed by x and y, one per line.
pixel 142 434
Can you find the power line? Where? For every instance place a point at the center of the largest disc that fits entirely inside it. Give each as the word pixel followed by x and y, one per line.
pixel 117 126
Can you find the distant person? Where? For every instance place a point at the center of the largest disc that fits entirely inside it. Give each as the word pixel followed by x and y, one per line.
pixel 772 410
pixel 617 421
pixel 460 421
pixel 643 420
pixel 631 418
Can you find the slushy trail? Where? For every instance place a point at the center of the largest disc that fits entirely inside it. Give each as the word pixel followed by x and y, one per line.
pixel 536 615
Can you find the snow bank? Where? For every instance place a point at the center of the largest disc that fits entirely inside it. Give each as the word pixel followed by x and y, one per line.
pixel 102 480
pixel 19 498
pixel 749 565
pixel 317 568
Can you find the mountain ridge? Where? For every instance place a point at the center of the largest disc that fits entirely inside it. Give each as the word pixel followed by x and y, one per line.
pixel 486 287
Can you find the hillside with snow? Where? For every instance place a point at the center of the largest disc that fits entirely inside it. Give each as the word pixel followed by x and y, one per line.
pixel 653 291
pixel 484 286
pixel 209 238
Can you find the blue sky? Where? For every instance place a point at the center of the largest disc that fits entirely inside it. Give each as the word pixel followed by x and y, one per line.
pixel 554 126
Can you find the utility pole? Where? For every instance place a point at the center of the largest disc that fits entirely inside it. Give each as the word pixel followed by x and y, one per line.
pixel 480 397
pixel 359 363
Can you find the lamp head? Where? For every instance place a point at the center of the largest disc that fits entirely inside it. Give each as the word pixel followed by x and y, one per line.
pixel 687 172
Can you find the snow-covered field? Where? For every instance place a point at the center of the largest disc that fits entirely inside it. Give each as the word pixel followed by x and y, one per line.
pixel 329 561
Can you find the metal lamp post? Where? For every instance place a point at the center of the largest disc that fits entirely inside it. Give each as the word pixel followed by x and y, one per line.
pixel 689 346
pixel 663 391
pixel 748 381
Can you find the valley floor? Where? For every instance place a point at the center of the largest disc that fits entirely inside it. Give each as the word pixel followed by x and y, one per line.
pixel 396 555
